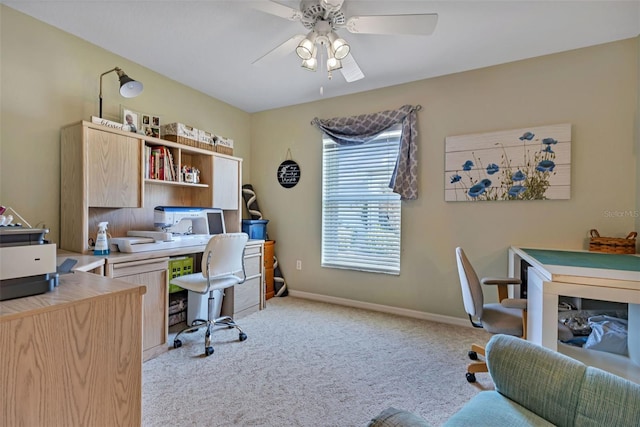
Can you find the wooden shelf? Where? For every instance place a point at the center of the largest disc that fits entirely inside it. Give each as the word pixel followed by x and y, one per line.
pixel 180 184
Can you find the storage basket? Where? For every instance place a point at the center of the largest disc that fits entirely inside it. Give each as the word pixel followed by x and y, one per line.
pixel 224 145
pixel 179 267
pixel 189 142
pixel 255 228
pixel 183 134
pixel 613 245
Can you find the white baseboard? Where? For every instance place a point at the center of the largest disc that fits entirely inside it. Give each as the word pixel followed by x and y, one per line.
pixel 382 308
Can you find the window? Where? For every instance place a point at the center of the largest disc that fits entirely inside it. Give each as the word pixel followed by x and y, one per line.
pixel 360 213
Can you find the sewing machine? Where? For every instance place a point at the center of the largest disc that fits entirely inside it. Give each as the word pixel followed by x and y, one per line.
pixel 175 226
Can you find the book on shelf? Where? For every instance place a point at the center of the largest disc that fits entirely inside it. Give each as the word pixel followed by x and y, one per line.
pixel 159 164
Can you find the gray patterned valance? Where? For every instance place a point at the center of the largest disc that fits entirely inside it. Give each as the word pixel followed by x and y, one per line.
pixel 365 127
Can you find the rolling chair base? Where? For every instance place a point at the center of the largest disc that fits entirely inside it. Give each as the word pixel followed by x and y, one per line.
pixel 476 367
pixel 210 325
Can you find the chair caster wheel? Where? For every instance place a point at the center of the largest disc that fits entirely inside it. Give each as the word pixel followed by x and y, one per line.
pixel 242 336
pixel 177 343
pixel 473 355
pixel 208 351
pixel 471 377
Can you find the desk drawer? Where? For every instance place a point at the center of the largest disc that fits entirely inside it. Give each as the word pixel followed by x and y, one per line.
pixel 253 250
pixel 137 267
pixel 252 264
pixel 247 297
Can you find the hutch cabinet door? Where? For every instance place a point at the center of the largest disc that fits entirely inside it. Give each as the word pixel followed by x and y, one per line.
pixel 114 170
pixel 226 190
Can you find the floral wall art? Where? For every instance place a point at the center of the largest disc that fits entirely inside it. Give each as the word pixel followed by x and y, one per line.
pixel 520 164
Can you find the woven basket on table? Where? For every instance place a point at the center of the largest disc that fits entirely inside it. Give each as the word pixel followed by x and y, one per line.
pixel 613 245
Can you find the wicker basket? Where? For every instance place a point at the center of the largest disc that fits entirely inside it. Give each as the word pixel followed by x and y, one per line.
pixel 613 245
pixel 224 145
pixel 224 150
pixel 189 142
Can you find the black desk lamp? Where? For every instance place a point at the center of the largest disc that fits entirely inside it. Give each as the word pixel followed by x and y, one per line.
pixel 129 88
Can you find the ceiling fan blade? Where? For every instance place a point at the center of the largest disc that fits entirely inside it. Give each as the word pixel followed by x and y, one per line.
pixel 418 24
pixel 277 9
pixel 281 51
pixel 350 69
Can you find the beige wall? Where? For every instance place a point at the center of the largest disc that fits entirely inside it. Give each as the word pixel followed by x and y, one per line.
pixel 49 78
pixel 595 89
pixel 637 211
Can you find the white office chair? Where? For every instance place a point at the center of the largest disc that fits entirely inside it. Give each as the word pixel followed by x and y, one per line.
pixel 222 267
pixel 506 317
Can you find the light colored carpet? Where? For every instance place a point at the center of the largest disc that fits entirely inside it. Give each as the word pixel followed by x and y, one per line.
pixel 308 363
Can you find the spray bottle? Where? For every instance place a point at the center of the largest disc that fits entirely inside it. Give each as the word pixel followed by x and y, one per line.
pixel 102 244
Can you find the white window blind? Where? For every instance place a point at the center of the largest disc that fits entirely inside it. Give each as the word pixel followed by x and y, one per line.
pixel 360 213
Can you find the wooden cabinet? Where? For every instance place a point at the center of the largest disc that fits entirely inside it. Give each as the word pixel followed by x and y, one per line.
pixel 226 179
pixel 72 356
pixel 153 273
pixel 269 290
pixel 97 170
pixel 113 170
pixel 103 179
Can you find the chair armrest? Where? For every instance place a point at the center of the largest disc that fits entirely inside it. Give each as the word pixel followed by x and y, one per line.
pixel 500 281
pixel 520 303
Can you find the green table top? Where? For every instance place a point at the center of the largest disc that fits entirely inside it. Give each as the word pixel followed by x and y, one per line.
pixel 586 259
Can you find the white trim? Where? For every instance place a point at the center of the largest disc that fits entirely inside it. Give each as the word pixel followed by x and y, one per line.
pixel 382 308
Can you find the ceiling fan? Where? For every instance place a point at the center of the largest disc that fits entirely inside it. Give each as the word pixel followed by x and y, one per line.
pixel 323 18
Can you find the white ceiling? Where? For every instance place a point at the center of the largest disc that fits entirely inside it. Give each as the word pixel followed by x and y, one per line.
pixel 210 45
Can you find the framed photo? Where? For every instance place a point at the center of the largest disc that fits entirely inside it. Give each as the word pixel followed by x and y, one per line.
pixel 145 123
pixel 150 125
pixel 130 120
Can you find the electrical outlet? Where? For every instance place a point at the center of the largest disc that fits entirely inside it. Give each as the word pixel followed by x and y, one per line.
pixel 298 264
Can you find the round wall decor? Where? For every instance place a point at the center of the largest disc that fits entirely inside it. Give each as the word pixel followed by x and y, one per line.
pixel 288 173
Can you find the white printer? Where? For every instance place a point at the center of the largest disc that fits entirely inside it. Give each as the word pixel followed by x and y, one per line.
pixel 27 262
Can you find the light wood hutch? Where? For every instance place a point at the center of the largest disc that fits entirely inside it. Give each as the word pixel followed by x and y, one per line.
pixel 103 179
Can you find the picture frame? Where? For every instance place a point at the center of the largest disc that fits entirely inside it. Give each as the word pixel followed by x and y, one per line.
pixel 130 120
pixel 145 123
pixel 150 125
pixel 532 163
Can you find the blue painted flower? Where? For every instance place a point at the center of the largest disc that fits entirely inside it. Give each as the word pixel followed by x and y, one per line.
pixel 455 178
pixel 527 135
pixel 492 168
pixel 518 176
pixel 516 190
pixel 486 182
pixel 549 141
pixel 467 165
pixel 548 149
pixel 546 166
pixel 477 190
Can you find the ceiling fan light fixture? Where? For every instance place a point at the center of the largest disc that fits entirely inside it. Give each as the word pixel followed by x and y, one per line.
pixel 311 64
pixel 305 47
pixel 331 5
pixel 339 46
pixel 333 64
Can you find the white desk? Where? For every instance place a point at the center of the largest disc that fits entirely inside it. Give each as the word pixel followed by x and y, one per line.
pixel 585 275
